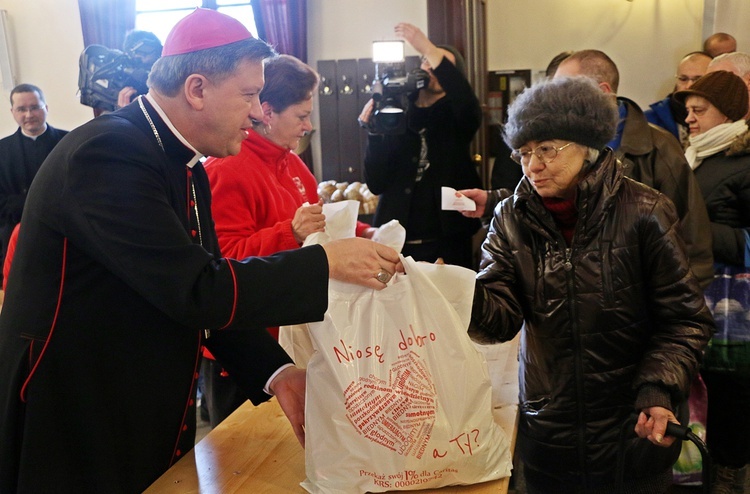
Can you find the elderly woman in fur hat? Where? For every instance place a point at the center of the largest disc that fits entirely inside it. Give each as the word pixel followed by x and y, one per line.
pixel 719 152
pixel 589 266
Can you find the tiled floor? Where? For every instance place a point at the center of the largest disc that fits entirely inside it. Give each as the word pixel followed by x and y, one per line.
pixel 202 427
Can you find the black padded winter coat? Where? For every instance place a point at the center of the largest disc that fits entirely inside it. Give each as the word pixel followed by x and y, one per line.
pixel 724 180
pixel 608 323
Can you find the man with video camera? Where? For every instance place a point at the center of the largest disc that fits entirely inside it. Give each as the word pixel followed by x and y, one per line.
pixel 144 48
pixel 408 169
pixel 110 79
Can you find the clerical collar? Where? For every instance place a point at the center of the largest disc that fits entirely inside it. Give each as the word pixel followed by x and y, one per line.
pixel 34 138
pixel 174 130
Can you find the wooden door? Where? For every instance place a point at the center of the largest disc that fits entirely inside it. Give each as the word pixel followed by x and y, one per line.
pixel 463 24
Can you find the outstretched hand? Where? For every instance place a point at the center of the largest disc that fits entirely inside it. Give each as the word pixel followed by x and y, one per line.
pixel 417 39
pixel 479 197
pixel 359 260
pixel 289 388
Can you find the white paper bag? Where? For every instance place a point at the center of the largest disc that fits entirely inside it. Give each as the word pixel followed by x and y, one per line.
pixel 398 398
pixel 341 222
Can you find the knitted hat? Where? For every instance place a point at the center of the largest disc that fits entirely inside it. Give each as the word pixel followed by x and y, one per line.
pixel 566 108
pixel 203 29
pixel 725 90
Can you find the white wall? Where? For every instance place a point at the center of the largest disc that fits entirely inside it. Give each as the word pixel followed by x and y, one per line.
pixel 343 29
pixel 339 29
pixel 46 37
pixel 646 38
pixel 729 16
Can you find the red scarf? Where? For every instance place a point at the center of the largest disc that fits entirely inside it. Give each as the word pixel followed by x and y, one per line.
pixel 564 213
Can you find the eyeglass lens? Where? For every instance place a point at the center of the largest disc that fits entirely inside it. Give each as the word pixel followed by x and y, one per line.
pixel 544 153
pixel 24 109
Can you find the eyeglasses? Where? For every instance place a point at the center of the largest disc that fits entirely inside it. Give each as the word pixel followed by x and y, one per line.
pixel 24 109
pixel 683 78
pixel 546 153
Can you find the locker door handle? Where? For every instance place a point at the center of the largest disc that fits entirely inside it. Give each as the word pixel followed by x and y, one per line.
pixel 346 86
pixel 325 87
pixel 366 84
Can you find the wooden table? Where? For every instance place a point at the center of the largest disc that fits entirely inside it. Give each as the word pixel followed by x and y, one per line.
pixel 255 451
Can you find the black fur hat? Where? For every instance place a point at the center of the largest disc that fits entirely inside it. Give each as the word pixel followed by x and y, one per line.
pixel 567 108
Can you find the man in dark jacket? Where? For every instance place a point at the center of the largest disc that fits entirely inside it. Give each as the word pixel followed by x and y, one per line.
pixel 117 281
pixel 653 157
pixel 408 170
pixel 668 113
pixel 21 155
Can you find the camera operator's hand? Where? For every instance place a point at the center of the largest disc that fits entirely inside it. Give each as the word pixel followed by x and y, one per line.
pixel 125 96
pixel 416 38
pixel 364 116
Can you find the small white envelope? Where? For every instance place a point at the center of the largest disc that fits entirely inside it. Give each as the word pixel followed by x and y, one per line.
pixel 451 202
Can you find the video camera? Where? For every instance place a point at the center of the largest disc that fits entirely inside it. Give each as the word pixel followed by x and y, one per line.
pixel 103 72
pixel 392 88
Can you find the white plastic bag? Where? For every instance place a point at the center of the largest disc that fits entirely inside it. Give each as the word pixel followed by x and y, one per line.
pixel 398 398
pixel 341 222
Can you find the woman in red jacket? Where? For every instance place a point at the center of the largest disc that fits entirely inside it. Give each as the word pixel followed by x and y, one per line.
pixel 265 199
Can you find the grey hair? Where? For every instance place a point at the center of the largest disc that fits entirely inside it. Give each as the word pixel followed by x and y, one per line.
pixel 741 62
pixel 567 108
pixel 169 73
pixel 591 156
